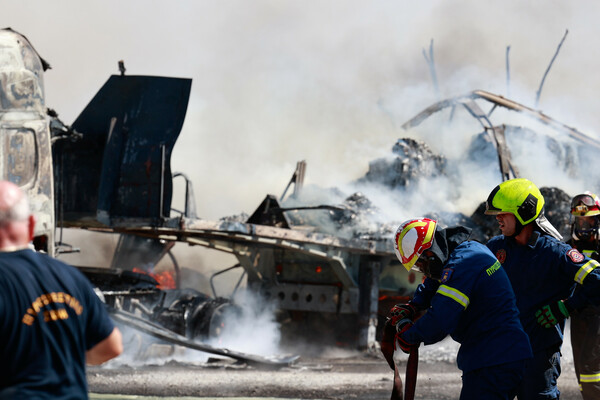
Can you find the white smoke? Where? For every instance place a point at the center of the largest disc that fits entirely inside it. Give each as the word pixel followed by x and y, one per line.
pixel 329 82
pixel 252 328
pixel 140 349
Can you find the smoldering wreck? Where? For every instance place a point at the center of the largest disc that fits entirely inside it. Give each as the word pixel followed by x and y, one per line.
pixel 321 258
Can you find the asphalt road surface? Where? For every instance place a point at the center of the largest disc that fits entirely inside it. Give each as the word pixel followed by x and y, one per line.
pixel 331 374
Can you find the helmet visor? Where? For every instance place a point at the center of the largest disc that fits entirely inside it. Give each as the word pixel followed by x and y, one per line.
pixel 584 205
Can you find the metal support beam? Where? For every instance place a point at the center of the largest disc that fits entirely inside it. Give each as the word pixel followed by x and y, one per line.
pixel 367 306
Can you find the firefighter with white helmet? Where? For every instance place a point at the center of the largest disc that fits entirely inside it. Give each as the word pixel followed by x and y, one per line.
pixel 585 323
pixel 465 295
pixel 543 272
pixel 585 209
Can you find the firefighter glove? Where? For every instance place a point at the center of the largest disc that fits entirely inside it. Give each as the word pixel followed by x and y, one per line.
pixel 552 314
pixel 402 327
pixel 402 311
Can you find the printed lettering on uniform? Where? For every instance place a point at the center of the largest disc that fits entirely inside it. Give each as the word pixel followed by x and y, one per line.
pixel 54 314
pixel 495 267
pixel 575 255
pixel 501 255
pixel 446 274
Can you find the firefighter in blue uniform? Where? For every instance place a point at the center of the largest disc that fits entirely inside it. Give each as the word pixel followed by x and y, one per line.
pixel 467 295
pixel 544 273
pixel 585 323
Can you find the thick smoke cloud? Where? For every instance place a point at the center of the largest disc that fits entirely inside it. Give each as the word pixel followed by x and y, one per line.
pixel 328 82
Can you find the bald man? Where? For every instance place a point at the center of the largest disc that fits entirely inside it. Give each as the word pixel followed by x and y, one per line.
pixel 52 321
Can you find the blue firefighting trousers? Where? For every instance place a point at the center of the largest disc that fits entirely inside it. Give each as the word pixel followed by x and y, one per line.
pixel 498 382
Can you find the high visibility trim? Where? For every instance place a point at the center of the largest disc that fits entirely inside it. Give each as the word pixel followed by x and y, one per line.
pixel 585 270
pixel 587 378
pixel 429 234
pixel 454 294
pixel 587 252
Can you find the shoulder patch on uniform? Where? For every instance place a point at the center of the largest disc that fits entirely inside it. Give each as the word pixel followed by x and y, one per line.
pixel 446 274
pixel 501 255
pixel 575 255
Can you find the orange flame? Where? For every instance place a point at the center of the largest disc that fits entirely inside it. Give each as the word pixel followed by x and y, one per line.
pixel 165 279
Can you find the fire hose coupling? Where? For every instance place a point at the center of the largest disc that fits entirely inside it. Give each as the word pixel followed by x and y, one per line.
pixel 552 314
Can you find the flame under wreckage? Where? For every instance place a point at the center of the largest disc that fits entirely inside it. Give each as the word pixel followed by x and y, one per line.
pixel 110 172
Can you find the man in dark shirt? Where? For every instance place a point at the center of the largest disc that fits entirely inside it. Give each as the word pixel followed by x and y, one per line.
pixel 52 321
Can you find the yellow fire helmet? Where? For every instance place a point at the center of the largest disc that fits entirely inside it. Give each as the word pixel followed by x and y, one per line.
pixel 519 197
pixel 586 204
pixel 413 237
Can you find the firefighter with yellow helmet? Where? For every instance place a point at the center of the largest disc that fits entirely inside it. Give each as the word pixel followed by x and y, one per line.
pixel 543 272
pixel 585 323
pixel 466 295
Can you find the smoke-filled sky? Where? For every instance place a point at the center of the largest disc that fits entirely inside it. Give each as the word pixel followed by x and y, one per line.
pixel 329 82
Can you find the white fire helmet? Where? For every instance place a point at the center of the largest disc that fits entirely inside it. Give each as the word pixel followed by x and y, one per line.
pixel 412 238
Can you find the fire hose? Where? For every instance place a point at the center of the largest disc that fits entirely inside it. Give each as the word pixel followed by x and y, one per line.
pixel 410 378
pixel 397 388
pixel 387 348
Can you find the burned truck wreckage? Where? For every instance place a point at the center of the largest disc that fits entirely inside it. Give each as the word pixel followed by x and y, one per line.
pixel 327 267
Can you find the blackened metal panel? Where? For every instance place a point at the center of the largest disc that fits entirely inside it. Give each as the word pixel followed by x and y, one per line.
pixel 269 213
pixel 139 252
pixel 128 133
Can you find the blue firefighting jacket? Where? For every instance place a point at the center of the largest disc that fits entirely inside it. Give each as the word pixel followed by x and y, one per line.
pixel 544 272
pixel 474 304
